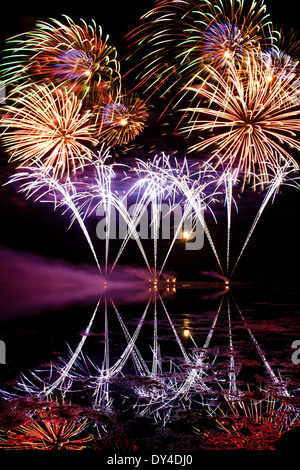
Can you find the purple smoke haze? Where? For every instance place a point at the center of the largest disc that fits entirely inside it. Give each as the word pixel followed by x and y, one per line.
pixel 31 284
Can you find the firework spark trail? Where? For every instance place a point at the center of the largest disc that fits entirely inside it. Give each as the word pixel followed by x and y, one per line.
pixel 105 174
pixel 132 222
pixel 197 373
pixel 185 215
pixel 229 179
pixel 131 348
pixel 157 401
pixel 66 376
pixel 154 177
pixel 100 384
pixel 194 376
pixel 162 182
pixel 107 372
pixel 40 182
pixel 232 374
pixel 65 371
pixel 105 197
pixel 281 176
pixel 152 192
pixel 155 340
pixel 192 198
pixel 178 340
pixel 278 384
pixel 100 196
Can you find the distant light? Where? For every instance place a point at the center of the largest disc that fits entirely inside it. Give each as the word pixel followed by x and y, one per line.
pixel 186 333
pixel 227 54
pixel 185 235
pixel 123 122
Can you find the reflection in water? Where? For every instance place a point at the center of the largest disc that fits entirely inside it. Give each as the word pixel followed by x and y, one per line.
pixel 163 362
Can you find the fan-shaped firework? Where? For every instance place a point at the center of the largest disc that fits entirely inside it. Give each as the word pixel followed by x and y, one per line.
pixel 72 54
pixel 47 124
pixel 254 119
pixel 186 35
pixel 122 120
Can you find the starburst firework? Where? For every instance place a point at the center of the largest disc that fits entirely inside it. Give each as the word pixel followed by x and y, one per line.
pixel 122 120
pixel 46 434
pixel 253 117
pixel 76 55
pixel 46 124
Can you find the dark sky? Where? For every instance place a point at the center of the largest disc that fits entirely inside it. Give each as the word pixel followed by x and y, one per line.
pixel 117 17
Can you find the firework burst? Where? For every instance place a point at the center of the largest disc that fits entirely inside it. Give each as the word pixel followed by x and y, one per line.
pixel 46 124
pixel 197 33
pixel 46 434
pixel 121 120
pixel 76 55
pixel 282 57
pixel 253 118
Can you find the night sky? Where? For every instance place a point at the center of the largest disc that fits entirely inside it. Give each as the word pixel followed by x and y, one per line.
pixel 273 252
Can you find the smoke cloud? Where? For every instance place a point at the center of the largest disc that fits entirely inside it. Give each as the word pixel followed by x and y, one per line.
pixel 31 284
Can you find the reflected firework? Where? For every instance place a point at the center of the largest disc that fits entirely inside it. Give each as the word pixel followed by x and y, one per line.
pixel 205 366
pixel 46 433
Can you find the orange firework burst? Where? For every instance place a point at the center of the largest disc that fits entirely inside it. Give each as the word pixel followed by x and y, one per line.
pixel 122 120
pixel 76 55
pixel 46 124
pixel 47 434
pixel 254 118
pixel 184 36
